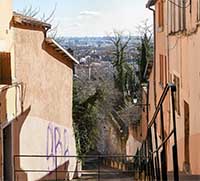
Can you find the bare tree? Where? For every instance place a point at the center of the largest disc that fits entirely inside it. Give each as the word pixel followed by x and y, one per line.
pixel 35 12
pixel 123 75
pixel 145 47
pixel 145 29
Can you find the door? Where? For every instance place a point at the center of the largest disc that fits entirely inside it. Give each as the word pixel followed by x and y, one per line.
pixel 7 153
pixel 186 137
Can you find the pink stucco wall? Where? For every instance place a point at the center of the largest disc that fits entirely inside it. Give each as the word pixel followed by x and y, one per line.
pixel 45 126
pixel 182 52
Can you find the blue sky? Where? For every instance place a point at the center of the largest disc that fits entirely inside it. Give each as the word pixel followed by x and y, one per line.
pixel 91 17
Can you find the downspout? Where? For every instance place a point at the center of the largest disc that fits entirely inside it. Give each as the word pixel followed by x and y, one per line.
pixel 155 99
pixel 154 63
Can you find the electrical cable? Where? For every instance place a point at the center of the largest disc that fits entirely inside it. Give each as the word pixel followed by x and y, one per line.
pixel 186 6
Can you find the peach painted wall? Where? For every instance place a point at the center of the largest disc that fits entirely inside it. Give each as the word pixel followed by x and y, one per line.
pixel 187 68
pixel 182 51
pixel 5 18
pixel 45 126
pixel 6 34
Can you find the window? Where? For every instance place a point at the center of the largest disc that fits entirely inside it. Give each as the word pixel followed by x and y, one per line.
pixel 5 68
pixel 198 10
pixel 163 70
pixel 177 94
pixel 160 14
pixel 177 15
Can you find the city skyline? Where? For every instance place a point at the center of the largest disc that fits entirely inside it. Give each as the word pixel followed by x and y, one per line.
pixel 91 18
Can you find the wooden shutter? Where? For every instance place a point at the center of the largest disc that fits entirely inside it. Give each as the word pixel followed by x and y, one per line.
pixel 160 14
pixel 5 68
pixel 161 70
pixel 166 81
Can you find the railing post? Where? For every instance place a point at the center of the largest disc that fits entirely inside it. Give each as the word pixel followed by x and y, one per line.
pixel 157 155
pixel 56 167
pixel 14 169
pixel 150 150
pixel 98 167
pixel 163 153
pixel 175 153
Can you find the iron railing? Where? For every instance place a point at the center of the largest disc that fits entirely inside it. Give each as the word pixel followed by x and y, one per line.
pixel 95 167
pixel 156 165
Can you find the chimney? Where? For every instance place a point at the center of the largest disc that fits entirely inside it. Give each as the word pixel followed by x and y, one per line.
pixel 5 18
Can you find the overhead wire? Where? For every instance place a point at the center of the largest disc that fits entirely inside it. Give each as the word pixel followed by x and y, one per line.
pixel 186 5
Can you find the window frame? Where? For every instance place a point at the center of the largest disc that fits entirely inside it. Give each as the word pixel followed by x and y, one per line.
pixel 163 70
pixel 198 10
pixel 176 81
pixel 160 15
pixel 5 68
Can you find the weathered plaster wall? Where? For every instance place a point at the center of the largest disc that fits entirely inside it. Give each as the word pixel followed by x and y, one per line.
pixel 48 82
pixel 133 143
pixel 47 103
pixel 6 34
pixel 111 140
pixel 40 137
pixel 156 90
pixel 185 56
pixel 5 18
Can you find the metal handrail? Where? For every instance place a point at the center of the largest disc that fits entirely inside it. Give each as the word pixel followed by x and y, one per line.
pixel 162 99
pixel 148 142
pixel 97 169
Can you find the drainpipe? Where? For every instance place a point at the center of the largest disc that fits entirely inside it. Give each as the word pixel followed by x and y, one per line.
pixel 154 64
pixel 156 173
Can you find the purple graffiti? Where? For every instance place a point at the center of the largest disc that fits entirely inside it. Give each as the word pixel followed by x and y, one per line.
pixel 50 143
pixel 66 143
pixel 57 144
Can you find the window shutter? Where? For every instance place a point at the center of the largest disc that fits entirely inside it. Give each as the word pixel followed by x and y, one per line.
pixel 5 68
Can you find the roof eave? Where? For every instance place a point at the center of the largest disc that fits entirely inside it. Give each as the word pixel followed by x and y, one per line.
pixel 150 3
pixel 26 20
pixel 59 47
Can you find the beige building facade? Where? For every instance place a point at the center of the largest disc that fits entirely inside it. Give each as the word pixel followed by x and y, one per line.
pixel 177 55
pixel 36 80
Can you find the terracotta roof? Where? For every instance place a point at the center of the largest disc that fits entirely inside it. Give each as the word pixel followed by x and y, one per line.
pixel 60 49
pixel 150 3
pixel 27 20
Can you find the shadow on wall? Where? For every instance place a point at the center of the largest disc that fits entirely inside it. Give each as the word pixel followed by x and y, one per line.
pixel 60 173
pixel 22 175
pixel 17 125
pixel 3 115
pixel 3 104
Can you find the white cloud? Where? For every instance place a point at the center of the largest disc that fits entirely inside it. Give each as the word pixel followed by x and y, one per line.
pixel 89 13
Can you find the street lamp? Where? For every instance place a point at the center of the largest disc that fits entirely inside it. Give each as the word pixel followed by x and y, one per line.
pixel 135 99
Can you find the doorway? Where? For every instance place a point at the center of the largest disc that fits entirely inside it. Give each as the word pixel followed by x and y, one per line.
pixel 7 153
pixel 186 138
